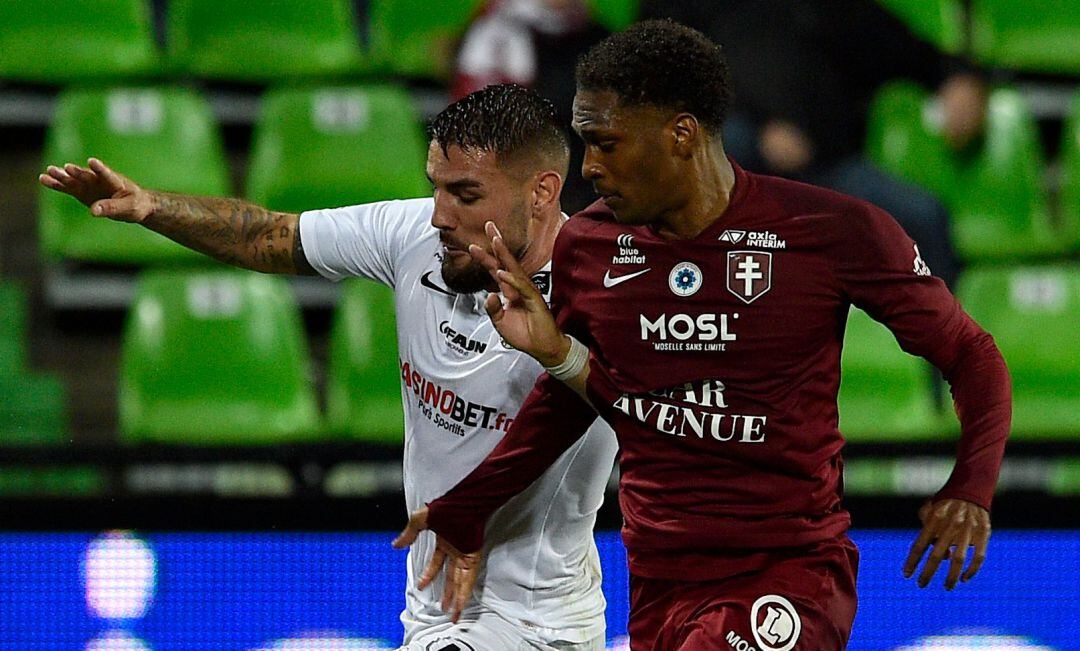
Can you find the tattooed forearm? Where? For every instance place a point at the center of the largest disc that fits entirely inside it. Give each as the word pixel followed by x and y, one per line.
pixel 231 230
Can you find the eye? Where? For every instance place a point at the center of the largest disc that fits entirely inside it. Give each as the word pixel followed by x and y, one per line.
pixel 606 146
pixel 468 200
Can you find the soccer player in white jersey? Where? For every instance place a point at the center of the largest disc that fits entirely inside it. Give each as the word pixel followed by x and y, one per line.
pixel 498 154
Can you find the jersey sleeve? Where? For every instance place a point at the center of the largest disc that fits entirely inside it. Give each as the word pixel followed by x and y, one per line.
pixel 879 269
pixel 366 240
pixel 550 421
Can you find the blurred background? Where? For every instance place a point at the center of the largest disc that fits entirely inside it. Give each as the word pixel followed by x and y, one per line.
pixel 193 457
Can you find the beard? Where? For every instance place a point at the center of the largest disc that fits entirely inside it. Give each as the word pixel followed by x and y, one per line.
pixel 466 280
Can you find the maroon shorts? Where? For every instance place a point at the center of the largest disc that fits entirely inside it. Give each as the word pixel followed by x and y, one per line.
pixel 804 601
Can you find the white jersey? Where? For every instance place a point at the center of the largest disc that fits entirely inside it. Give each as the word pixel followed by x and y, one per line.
pixel 461 389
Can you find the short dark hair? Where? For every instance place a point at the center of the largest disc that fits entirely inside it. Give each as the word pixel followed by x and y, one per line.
pixel 661 63
pixel 505 119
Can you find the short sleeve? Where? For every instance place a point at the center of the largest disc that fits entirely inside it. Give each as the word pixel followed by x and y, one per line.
pixel 365 240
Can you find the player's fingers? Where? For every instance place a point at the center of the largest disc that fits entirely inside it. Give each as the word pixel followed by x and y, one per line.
pixel 433 568
pixel 80 173
pixel 957 558
pixel 502 252
pixel 59 174
pixel 933 561
pixel 110 177
pixel 450 577
pixel 406 538
pixel 981 543
pixel 489 262
pixel 494 308
pixel 918 548
pixel 507 286
pixel 464 585
pixel 120 207
pixel 50 182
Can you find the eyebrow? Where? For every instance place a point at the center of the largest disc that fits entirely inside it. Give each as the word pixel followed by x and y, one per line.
pixel 454 186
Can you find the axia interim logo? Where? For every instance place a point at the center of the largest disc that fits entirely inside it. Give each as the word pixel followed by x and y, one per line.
pixel 683 332
pixel 460 342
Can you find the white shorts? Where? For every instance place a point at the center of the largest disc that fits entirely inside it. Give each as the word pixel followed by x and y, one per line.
pixel 489 632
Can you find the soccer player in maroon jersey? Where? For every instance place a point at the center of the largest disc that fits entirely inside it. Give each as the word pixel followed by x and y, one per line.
pixel 700 309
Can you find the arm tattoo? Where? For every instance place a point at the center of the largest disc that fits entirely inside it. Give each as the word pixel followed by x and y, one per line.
pixel 231 230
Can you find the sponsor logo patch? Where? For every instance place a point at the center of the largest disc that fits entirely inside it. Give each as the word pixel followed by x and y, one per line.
pixel 685 279
pixel 774 623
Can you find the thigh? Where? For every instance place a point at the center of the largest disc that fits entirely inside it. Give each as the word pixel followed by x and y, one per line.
pixel 805 601
pixel 484 633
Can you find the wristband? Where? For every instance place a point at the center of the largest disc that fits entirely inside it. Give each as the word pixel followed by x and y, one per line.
pixel 573 365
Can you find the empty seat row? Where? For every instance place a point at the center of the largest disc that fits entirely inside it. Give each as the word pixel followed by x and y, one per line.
pixel 32 405
pixel 226 39
pixel 311 149
pixel 1032 313
pixel 220 358
pixel 995 194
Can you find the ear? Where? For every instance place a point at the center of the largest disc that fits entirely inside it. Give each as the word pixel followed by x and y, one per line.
pixel 685 132
pixel 547 186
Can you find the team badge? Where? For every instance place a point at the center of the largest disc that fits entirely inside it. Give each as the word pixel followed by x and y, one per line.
pixel 685 279
pixel 749 274
pixel 775 623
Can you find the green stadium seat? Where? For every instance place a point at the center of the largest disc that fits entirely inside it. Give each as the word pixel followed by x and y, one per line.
pixel 363 387
pixel 885 393
pixel 995 196
pixel 234 40
pixel 12 328
pixel 940 22
pixel 1070 185
pixel 33 408
pixel 417 38
pixel 1033 313
pixel 76 41
pixel 215 358
pixel 614 14
pixel 163 138
pixel 1039 35
pixel 336 146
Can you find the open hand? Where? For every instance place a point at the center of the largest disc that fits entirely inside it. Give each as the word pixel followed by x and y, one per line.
pixel 461 569
pixel 525 322
pixel 98 187
pixel 951 526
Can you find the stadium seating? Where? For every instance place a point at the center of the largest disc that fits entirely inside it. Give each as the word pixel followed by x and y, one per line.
pixel 215 358
pixel 1033 313
pixel 416 38
pixel 163 137
pixel 336 146
pixel 940 22
pixel 12 328
pixel 76 41
pixel 614 14
pixel 234 40
pixel 363 387
pixel 995 195
pixel 1038 35
pixel 1070 183
pixel 885 393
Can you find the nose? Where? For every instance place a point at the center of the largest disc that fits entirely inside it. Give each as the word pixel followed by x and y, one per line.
pixel 590 168
pixel 441 217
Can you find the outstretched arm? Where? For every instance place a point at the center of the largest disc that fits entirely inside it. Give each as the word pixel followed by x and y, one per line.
pixel 231 230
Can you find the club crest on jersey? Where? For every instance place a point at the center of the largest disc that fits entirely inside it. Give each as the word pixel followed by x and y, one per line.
pixel 775 623
pixel 749 274
pixel 628 253
pixel 685 279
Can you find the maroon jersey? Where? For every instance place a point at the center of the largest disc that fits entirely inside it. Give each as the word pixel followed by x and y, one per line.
pixel 717 362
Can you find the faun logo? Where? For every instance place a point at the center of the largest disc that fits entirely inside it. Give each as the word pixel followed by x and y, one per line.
pixel 749 274
pixel 628 253
pixel 460 342
pixel 683 332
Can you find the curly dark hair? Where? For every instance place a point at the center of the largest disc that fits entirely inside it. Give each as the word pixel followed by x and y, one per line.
pixel 505 119
pixel 661 63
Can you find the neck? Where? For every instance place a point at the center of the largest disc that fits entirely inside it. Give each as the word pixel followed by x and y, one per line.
pixel 543 229
pixel 708 184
